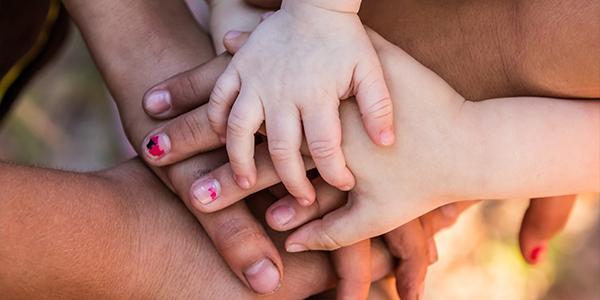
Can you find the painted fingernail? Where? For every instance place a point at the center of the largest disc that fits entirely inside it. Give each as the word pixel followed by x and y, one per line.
pixel 157 145
pixel 243 182
pixel 158 102
pixel 293 248
pixel 206 191
pixel 386 137
pixel 263 276
pixel 536 254
pixel 232 35
pixel 283 214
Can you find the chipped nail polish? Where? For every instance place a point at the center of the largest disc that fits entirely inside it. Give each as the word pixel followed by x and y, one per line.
pixel 158 145
pixel 206 191
pixel 536 253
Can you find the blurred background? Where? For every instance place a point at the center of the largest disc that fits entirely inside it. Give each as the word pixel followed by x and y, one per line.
pixel 65 119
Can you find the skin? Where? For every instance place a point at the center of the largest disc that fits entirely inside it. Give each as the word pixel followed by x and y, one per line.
pixel 111 244
pixel 317 44
pixel 485 67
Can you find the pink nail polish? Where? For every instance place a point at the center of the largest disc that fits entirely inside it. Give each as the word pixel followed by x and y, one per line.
pixel 206 191
pixel 158 145
pixel 536 253
pixel 158 102
pixel 386 137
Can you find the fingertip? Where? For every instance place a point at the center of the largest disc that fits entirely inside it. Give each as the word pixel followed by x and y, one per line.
pixel 157 102
pixel 387 137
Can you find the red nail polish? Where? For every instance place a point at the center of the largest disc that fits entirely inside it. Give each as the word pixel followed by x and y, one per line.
pixel 158 145
pixel 536 254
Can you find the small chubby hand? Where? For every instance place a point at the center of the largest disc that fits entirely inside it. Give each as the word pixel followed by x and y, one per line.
pixel 291 74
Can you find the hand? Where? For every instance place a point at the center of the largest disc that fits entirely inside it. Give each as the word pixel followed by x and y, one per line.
pixel 329 64
pixel 445 152
pixel 413 243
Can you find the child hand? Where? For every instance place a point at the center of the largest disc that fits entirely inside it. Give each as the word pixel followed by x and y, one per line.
pixel 291 73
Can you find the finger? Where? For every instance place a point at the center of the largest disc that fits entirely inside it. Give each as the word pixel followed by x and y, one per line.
pixel 353 267
pixel 184 91
pixel 444 216
pixel 374 102
pixel 245 119
pixel 234 40
pixel 181 138
pixel 323 132
pixel 284 134
pixel 217 189
pixel 236 234
pixel 287 213
pixel 342 227
pixel 544 218
pixel 222 98
pixel 409 244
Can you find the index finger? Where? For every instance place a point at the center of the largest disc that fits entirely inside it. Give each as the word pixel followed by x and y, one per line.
pixel 184 91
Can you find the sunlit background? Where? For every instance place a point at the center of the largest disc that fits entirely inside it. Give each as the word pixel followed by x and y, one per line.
pixel 65 119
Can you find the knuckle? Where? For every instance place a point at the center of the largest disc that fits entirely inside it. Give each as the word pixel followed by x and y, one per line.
pixel 327 239
pixel 189 85
pixel 281 150
pixel 380 109
pixel 235 232
pixel 190 130
pixel 323 149
pixel 218 96
pixel 236 125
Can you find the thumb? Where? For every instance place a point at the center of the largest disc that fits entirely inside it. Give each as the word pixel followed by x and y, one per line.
pixel 342 227
pixel 234 40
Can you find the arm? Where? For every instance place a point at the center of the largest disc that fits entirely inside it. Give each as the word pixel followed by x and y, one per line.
pixel 120 234
pixel 450 150
pixel 138 43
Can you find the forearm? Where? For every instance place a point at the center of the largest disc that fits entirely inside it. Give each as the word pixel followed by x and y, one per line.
pixel 533 147
pixel 59 235
pixel 137 44
pixel 488 49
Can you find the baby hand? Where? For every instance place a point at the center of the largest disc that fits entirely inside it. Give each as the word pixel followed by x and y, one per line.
pixel 291 74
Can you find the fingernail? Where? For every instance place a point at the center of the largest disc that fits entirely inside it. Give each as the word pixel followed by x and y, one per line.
pixel 536 254
pixel 206 191
pixel 304 202
pixel 263 276
pixel 293 248
pixel 386 137
pixel 157 145
pixel 158 102
pixel 243 182
pixel 232 35
pixel 283 214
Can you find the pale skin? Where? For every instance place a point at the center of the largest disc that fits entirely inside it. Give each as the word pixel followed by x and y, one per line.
pixel 327 46
pixel 438 164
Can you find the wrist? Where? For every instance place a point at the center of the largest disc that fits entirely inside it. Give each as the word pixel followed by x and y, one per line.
pixel 340 6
